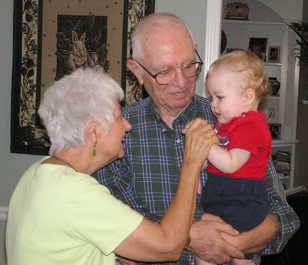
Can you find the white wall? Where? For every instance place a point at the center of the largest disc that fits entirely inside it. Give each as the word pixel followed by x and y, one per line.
pixel 13 165
pixel 291 9
pixel 193 12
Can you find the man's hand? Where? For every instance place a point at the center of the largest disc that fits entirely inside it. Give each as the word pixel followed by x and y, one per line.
pixel 207 243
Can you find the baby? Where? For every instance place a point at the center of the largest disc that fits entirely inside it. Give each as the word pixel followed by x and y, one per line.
pixel 235 189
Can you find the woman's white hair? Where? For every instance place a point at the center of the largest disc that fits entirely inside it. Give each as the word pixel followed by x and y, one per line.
pixel 155 22
pixel 86 94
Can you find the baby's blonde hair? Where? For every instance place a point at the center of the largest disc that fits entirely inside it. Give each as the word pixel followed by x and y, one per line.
pixel 251 68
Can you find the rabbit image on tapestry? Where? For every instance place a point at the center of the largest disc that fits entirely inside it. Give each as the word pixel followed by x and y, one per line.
pixel 78 56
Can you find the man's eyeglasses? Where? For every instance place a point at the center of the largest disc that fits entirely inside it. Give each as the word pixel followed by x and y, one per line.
pixel 166 77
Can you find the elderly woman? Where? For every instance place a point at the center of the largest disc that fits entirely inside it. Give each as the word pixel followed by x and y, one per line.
pixel 59 214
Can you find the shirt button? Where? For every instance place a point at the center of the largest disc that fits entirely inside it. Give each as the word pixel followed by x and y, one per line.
pixel 178 141
pixel 192 263
pixel 163 130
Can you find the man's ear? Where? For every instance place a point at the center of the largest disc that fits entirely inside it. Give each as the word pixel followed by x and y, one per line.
pixel 250 95
pixel 132 65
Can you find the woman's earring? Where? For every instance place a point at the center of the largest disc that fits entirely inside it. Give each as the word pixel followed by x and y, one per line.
pixel 94 151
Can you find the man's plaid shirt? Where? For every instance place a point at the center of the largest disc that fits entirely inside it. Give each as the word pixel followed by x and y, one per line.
pixel 146 177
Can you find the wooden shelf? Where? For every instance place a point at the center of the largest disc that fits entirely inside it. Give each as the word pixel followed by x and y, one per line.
pixel 272 64
pixel 279 142
pixel 248 22
pixel 273 98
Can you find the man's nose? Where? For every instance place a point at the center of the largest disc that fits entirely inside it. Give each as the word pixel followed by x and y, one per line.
pixel 180 80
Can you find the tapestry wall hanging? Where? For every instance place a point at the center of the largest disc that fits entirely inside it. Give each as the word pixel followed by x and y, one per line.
pixel 51 39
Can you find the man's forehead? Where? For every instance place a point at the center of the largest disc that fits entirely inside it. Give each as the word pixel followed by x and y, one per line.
pixel 162 40
pixel 168 31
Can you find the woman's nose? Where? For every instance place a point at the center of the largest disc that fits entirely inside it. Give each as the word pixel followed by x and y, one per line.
pixel 127 125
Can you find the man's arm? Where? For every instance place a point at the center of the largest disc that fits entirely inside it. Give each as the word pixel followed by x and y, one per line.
pixel 117 178
pixel 287 219
pixel 258 238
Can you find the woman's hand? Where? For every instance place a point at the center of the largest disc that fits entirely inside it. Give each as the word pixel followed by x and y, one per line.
pixel 199 138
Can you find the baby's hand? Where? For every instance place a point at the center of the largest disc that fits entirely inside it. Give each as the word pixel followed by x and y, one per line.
pixel 186 127
pixel 199 189
pixel 204 166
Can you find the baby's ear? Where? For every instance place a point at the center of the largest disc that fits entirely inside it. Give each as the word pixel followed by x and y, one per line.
pixel 250 95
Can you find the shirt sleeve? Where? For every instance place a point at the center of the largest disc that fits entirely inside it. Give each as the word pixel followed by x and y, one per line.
pixel 117 177
pixel 249 136
pixel 288 220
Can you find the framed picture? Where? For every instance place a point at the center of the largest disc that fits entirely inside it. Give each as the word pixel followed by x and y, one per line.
pixel 233 49
pixel 275 129
pixel 258 46
pixel 273 54
pixel 51 39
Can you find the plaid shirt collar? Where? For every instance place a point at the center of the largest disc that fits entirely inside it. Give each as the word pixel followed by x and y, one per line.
pixel 186 116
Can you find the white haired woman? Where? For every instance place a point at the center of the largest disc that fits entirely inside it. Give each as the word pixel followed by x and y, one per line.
pixel 59 214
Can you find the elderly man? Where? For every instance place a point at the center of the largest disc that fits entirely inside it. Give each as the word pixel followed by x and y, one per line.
pixel 166 62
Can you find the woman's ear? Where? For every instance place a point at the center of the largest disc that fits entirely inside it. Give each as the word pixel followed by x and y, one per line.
pixel 250 95
pixel 132 65
pixel 92 130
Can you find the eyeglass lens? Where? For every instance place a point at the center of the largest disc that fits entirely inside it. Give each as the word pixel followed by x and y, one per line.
pixel 188 70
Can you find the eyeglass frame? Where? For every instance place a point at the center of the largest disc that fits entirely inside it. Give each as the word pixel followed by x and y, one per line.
pixel 154 76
